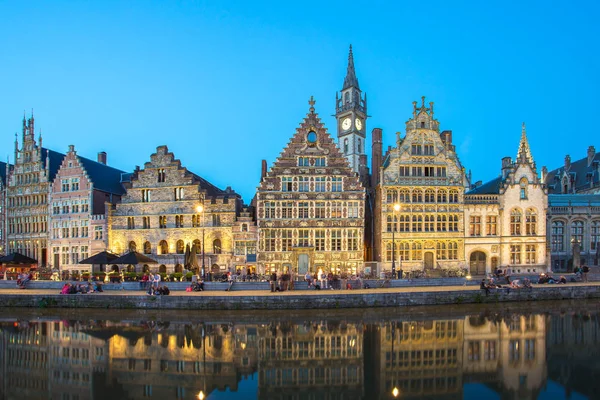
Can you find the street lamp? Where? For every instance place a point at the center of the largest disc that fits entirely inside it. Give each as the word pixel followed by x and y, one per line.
pixel 394 227
pixel 200 210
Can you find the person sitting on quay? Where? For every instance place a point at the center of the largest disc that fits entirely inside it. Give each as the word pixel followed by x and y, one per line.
pixel 484 286
pixel 197 286
pixel 144 281
pixel 163 290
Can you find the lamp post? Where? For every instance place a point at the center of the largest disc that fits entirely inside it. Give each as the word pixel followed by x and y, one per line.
pixel 394 227
pixel 200 210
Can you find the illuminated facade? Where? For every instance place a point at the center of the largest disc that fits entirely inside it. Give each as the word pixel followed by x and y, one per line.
pixel 158 216
pixel 78 201
pixel 27 196
pixel 310 206
pixel 505 218
pixel 245 236
pixel 4 172
pixel 424 176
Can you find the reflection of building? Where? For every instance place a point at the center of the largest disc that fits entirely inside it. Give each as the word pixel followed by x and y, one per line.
pixel 297 360
pixel 310 206
pixel 421 358
pixel 574 210
pixel 508 355
pixel 78 196
pixel 425 177
pixel 26 196
pixel 506 218
pixel 158 215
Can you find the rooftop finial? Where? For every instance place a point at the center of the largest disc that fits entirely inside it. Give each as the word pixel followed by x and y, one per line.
pixel 422 101
pixel 524 153
pixel 312 102
pixel 350 80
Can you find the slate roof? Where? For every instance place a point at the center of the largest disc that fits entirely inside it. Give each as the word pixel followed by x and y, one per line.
pixel 104 178
pixel 579 170
pixel 350 80
pixel 211 190
pixel 56 159
pixel 3 172
pixel 583 200
pixel 491 187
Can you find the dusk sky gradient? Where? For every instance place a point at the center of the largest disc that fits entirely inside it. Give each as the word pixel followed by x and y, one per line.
pixel 225 84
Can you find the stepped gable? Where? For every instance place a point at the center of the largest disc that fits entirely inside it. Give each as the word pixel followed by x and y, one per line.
pixel 311 139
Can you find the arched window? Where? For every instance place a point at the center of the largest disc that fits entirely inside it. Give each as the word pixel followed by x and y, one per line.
pixel 244 227
pixel 132 246
pixel 452 251
pixel 388 250
pixel 429 196
pixel 558 236
pixel 180 247
pixel 404 251
pixel 345 146
pixel 163 246
pixel 217 246
pixel 577 233
pixel 441 251
pixel 530 222
pixel 417 251
pixel 404 196
pixel 392 196
pixel 178 268
pixel 417 223
pixel 147 247
pixel 198 245
pixel 161 175
pixel 523 188
pixel 453 197
pixel 442 225
pixel 417 196
pixel 404 223
pixel 391 223
pixel 442 196
pixel 162 269
pixel 515 222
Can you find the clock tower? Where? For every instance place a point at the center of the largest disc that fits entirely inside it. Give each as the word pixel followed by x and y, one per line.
pixel 351 115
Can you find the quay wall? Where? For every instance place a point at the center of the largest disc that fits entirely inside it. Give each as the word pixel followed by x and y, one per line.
pixel 299 300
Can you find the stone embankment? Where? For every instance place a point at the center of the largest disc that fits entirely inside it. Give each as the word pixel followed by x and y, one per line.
pixel 298 299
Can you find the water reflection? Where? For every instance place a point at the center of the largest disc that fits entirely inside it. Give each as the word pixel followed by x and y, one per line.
pixel 512 354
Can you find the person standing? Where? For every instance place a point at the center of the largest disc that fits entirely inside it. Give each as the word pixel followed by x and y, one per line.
pixel 585 269
pixel 156 280
pixel 273 281
pixel 308 279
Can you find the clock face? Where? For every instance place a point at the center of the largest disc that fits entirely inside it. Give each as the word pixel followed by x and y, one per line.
pixel 346 123
pixel 358 124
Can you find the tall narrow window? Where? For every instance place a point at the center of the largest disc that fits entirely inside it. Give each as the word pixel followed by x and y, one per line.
pixel 515 222
pixel 558 236
pixel 345 146
pixel 530 222
pixel 577 233
pixel 491 225
pixel 217 246
pixel 515 254
pixel 286 240
pixel 287 184
pixel 475 225
pixel 161 175
pixel 595 236
pixel 523 188
pixel 130 223
pixel 162 221
pixel 145 195
pixel 216 219
pixel 178 193
pixel 336 240
pixel 320 239
pixel 336 184
pixel 530 254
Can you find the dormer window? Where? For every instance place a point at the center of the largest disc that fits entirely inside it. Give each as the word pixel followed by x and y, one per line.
pixel 523 189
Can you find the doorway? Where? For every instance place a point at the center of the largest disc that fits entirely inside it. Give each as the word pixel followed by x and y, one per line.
pixel 302 264
pixel 428 260
pixel 477 263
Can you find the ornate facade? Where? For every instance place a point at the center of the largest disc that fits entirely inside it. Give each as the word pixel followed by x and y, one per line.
pixel 27 196
pixel 505 218
pixel 159 216
pixel 310 206
pixel 574 212
pixel 424 176
pixel 4 172
pixel 78 207
pixel 245 235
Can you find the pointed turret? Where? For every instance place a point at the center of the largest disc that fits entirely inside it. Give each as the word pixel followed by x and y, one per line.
pixel 350 80
pixel 524 153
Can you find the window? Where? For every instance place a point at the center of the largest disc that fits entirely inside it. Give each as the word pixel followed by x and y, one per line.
pixel 453 196
pixel 162 221
pixel 303 238
pixel 303 161
pixel 55 208
pixel 417 196
pixel 146 222
pixel 320 240
pixel 558 236
pixel 352 240
pixel 474 351
pixel 74 184
pixel 404 196
pixel 577 233
pixel 303 184
pixel 417 171
pixel 178 193
pixel 453 223
pixel 515 254
pixel 523 188
pixel 65 185
pixel 286 240
pixel 353 209
pixel 475 225
pixel 391 223
pixel 320 184
pixel 145 195
pixel 269 209
pixel 163 246
pixel 74 229
pixel 429 171
pixel 320 209
pixel 429 224
pixel 179 221
pixel 216 219
pixel 491 225
pixel 161 175
pixel 244 228
pixel 130 223
pixel 147 247
pixel 595 236
pixel 345 146
pixel 530 256
pixel 392 196
pixel 441 172
pixel 404 251
pixel 269 240
pixel 442 196
pixel 98 235
pixel 404 170
pixel 441 223
pixel 416 150
pixel 428 150
pixel 429 196
pixel 515 222
pixel 336 184
pixel 336 240
pixel 404 223
pixel 179 247
pixel 132 246
pixel 452 251
pixel 489 350
pixel 287 184
pixel 530 222
pixel 84 206
pixel 389 253
pixel 303 209
pixel 359 147
pixel 417 223
pixel 287 208
pixel 417 251
pixel 514 352
pixel 336 210
pixel 441 251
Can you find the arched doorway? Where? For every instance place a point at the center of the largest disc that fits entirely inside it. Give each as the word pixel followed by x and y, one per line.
pixel 178 268
pixel 477 263
pixel 162 269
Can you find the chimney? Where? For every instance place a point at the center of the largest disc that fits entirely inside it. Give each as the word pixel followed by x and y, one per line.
pixel 567 162
pixel 591 153
pixel 263 170
pixel 102 157
pixel 71 148
pixel 376 156
pixel 506 166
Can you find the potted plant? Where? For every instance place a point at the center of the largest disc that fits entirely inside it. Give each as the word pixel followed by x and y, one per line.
pixel 114 277
pixel 129 276
pixel 85 276
pixel 188 276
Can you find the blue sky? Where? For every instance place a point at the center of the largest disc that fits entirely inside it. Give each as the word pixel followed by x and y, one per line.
pixel 225 84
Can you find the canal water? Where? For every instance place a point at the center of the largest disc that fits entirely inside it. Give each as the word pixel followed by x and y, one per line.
pixel 545 350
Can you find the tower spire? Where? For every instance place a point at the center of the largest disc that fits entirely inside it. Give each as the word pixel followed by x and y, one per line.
pixel 350 80
pixel 524 153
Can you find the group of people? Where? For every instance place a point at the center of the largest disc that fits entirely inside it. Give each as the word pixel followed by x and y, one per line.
pixel 548 278
pixel 74 288
pixel 23 279
pixel 582 273
pixel 158 290
pixel 150 280
pixel 491 283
